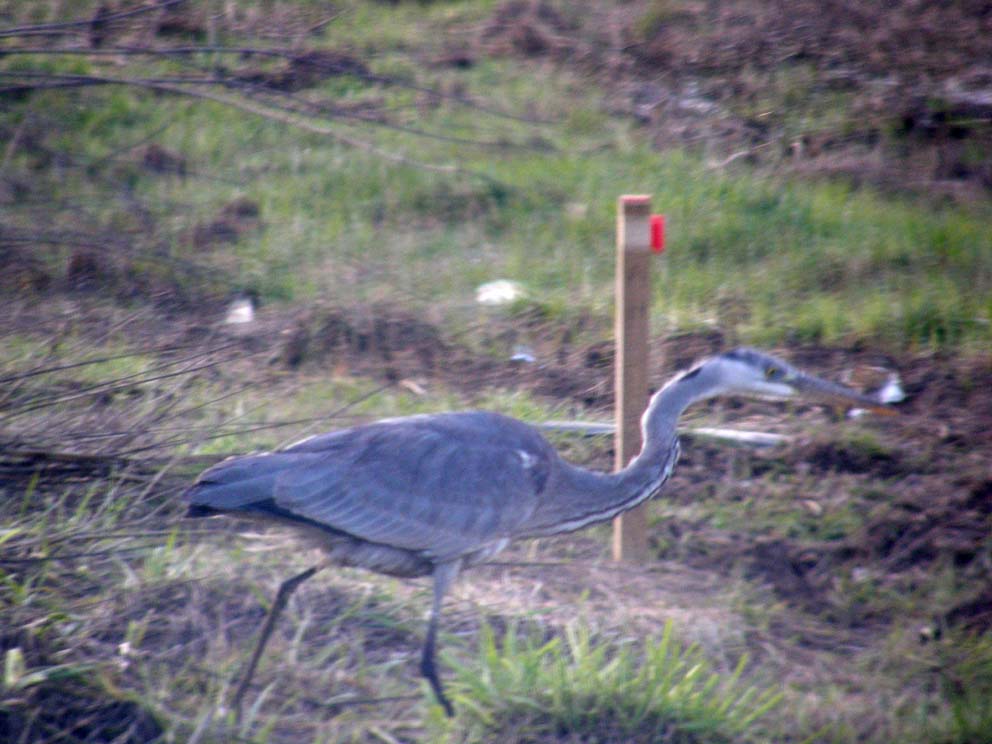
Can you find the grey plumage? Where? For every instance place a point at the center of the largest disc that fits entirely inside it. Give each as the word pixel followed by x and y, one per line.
pixel 430 495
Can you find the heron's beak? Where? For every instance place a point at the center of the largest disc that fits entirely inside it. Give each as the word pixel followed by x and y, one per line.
pixel 838 395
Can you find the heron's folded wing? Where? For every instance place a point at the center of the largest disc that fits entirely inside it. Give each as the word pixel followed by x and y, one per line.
pixel 437 485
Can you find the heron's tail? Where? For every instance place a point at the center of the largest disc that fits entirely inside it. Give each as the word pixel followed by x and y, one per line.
pixel 239 484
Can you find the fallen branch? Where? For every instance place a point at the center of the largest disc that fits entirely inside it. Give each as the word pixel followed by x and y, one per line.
pixel 731 436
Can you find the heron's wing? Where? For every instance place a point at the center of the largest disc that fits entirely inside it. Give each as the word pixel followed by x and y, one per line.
pixel 441 485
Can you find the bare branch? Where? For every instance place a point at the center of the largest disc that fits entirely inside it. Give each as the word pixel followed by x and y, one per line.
pixel 58 29
pixel 127 381
pixel 178 85
pixel 42 370
pixel 335 414
pixel 286 54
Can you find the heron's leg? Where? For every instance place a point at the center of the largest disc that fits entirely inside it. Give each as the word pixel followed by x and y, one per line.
pixel 444 574
pixel 286 589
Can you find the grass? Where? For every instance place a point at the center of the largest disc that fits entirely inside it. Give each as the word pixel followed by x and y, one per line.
pixel 849 264
pixel 575 688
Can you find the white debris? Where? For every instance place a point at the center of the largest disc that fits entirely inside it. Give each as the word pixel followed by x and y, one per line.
pixel 241 310
pixel 891 391
pixel 124 651
pixel 523 354
pixel 884 385
pixel 413 386
pixel 499 292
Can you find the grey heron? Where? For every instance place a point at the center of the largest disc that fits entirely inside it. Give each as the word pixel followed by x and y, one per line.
pixel 429 495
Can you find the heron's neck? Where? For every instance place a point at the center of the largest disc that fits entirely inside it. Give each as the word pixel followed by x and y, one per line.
pixel 659 422
pixel 580 497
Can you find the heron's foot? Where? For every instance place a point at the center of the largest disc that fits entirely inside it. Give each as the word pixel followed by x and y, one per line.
pixel 429 670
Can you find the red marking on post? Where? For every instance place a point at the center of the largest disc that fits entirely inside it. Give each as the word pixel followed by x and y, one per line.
pixel 657 233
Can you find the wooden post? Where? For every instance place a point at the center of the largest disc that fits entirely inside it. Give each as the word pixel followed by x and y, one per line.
pixel 633 299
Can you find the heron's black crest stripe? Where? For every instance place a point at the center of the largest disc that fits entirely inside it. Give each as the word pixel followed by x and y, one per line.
pixel 748 356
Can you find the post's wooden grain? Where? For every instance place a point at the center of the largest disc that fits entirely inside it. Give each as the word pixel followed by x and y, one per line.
pixel 633 299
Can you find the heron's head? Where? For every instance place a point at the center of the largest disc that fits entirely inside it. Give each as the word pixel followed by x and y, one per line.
pixel 754 373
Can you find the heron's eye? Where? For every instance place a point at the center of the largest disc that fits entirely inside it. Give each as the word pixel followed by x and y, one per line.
pixel 772 373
